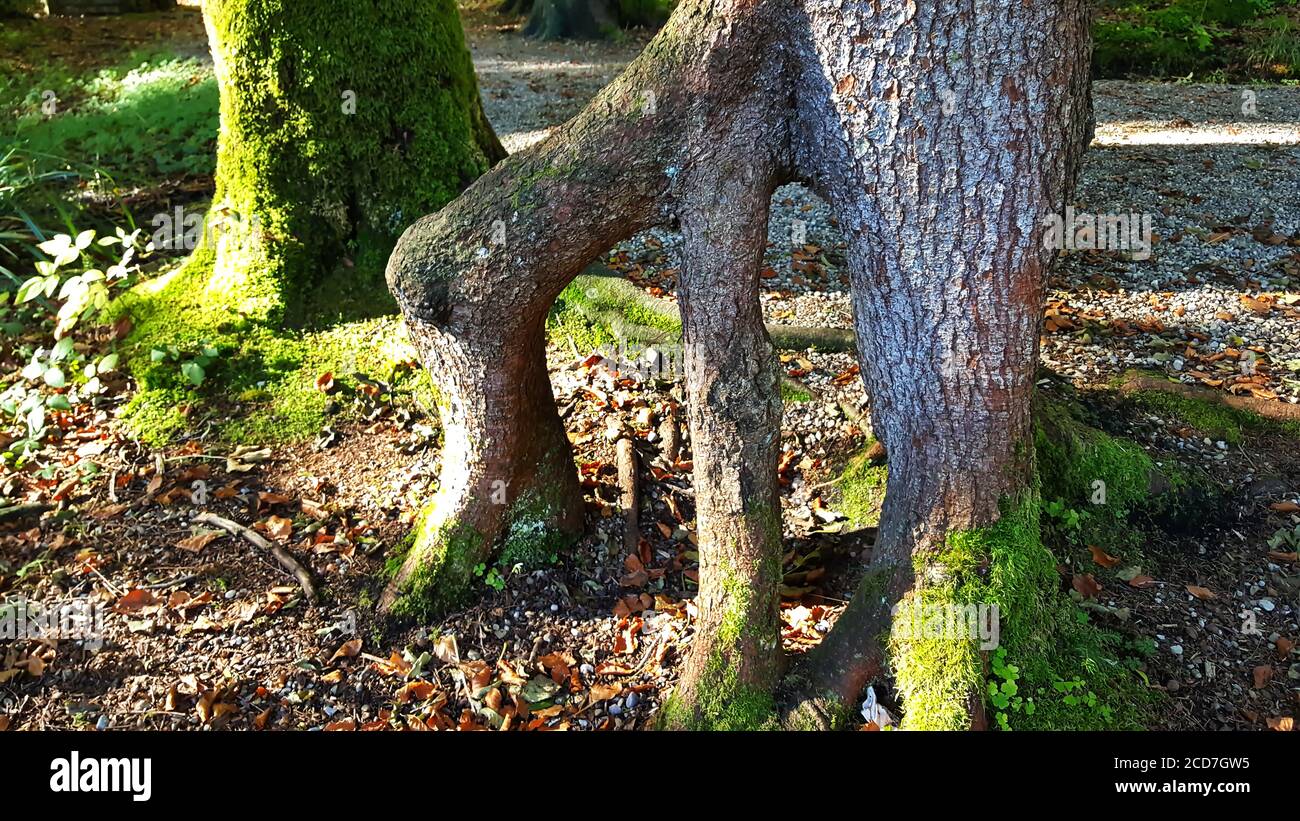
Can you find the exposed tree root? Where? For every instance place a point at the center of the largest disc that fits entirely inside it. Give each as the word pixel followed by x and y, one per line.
pixel 629 494
pixel 15 512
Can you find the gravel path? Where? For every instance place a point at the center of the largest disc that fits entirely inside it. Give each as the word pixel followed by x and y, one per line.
pixel 1215 169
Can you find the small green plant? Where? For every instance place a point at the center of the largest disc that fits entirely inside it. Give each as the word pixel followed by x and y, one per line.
pixel 1075 693
pixel 86 291
pixel 1067 519
pixel 194 364
pixel 1273 46
pixel 1004 691
pixel 1285 538
pixel 1197 38
pixel 492 576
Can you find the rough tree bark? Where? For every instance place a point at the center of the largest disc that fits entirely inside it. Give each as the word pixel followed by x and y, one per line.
pixel 941 135
pixel 948 136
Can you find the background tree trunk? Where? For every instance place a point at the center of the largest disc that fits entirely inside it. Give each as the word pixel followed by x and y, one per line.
pixel 326 152
pixel 577 19
pixel 585 19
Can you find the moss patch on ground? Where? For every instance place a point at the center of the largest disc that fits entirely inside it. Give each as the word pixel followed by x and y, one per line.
pixel 567 323
pixel 1052 668
pixel 792 392
pixel 1092 483
pixel 269 372
pixel 861 487
pixel 598 312
pixel 1212 419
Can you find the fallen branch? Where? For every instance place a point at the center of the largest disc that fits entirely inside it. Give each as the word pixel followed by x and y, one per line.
pixel 1277 411
pixel 281 555
pixel 628 496
pixel 22 511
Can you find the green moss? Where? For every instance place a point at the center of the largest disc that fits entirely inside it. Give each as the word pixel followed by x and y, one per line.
pixel 326 154
pixel 1212 419
pixel 825 712
pixel 722 701
pixel 271 371
pixel 325 150
pixel 792 392
pixel 731 708
pixel 448 553
pixel 566 321
pixel 862 489
pixel 1102 478
pixel 532 539
pixel 1006 565
pixel 445 573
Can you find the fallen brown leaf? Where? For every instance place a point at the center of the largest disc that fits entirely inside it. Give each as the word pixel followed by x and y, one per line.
pixel 1101 557
pixel 347 650
pixel 198 541
pixel 1263 674
pixel 414 691
pixel 1086 585
pixel 135 601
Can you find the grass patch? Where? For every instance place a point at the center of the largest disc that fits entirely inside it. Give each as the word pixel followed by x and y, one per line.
pixel 149 117
pixel 1207 39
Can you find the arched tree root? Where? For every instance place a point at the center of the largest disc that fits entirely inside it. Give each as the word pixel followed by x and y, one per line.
pixel 729 101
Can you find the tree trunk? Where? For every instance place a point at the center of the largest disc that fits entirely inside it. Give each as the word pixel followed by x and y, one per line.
pixel 571 19
pixel 475 282
pixel 584 19
pixel 515 7
pixel 325 151
pixel 942 148
pixel 941 138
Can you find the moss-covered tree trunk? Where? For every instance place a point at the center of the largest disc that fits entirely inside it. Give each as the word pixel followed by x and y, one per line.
pixel 341 123
pixel 941 135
